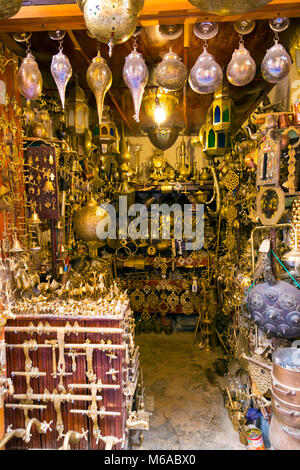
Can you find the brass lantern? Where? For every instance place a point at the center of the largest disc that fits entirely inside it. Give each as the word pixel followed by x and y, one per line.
pixel 106 134
pixel 77 110
pixel 222 108
pixel 295 47
pixel 215 133
pixel 159 104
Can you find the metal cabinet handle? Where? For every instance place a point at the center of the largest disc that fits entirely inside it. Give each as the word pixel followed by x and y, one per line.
pixel 289 392
pixel 290 433
pixel 287 412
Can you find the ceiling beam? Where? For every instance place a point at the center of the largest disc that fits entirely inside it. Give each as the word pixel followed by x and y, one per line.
pixel 69 16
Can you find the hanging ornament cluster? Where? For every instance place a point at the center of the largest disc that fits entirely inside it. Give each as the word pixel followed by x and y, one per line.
pixel 136 75
pixel 206 75
pixel 111 22
pixel 99 78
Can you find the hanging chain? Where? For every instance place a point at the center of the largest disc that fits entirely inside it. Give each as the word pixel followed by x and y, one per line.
pixel 61 42
pixel 241 40
pixel 135 44
pixel 28 44
pixel 276 38
pixel 205 44
pixel 98 48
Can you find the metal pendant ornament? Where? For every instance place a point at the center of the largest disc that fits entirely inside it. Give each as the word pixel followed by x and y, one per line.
pixel 171 73
pixel 276 64
pixel 136 75
pixel 99 78
pixel 241 69
pixel 29 77
pixel 206 75
pixel 111 22
pixel 61 71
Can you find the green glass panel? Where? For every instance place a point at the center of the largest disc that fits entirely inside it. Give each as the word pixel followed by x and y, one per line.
pixel 211 139
pixel 226 114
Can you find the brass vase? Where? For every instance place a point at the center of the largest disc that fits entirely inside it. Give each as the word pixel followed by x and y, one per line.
pixel 86 220
pixel 99 78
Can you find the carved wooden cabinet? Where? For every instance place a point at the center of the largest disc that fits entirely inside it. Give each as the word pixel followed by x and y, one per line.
pixel 80 372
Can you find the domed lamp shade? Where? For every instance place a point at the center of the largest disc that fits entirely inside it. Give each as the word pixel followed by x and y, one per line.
pixel 171 73
pixel 228 7
pixel 241 69
pixel 111 22
pixel 206 75
pixel 9 8
pixel 276 64
pixel 159 104
pixel 163 137
pixel 29 78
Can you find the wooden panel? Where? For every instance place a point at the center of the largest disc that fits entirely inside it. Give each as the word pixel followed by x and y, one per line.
pixel 113 399
pixel 69 16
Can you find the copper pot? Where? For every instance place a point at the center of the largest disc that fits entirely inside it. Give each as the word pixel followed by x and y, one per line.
pixel 283 376
pixel 286 413
pixel 283 437
pixel 288 394
pixel 284 120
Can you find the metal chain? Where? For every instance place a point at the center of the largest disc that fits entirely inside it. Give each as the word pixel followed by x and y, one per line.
pixel 28 44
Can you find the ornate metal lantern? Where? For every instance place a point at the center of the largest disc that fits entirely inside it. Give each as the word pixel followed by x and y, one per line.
pixel 111 22
pixel 215 133
pixel 106 134
pixel 77 110
pixel 161 100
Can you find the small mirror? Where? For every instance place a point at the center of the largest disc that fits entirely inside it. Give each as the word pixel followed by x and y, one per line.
pixel 269 203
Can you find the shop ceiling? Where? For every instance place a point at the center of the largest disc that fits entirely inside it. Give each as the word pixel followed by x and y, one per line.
pixel 41 16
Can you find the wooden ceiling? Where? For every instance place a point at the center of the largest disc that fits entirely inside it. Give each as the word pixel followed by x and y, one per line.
pixel 191 111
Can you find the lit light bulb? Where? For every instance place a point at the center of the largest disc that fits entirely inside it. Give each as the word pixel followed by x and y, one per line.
pixel 159 114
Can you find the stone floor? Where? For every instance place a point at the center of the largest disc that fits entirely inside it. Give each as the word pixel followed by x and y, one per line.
pixel 188 410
